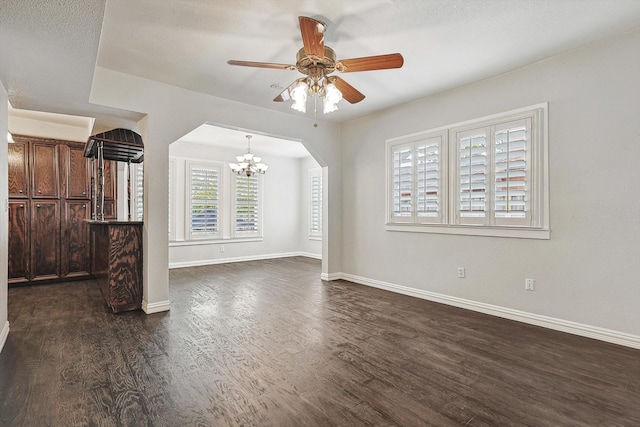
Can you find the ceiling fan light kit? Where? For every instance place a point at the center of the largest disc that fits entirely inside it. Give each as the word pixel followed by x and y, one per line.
pixel 317 62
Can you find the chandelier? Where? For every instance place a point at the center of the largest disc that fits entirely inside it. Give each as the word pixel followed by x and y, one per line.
pixel 248 164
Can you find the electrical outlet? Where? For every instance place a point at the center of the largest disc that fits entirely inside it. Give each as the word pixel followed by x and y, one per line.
pixel 461 272
pixel 530 284
pixel 221 248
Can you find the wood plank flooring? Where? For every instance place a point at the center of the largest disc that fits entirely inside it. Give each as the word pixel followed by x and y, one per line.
pixel 267 343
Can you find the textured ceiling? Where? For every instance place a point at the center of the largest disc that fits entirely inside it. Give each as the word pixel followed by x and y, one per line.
pixel 49 49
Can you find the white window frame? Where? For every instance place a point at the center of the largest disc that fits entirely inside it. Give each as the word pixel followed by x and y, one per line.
pixel 534 225
pixel 234 201
pixel 220 223
pixel 315 203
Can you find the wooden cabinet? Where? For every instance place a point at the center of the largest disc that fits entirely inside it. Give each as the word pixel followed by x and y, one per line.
pixel 19 239
pixel 18 169
pixel 45 172
pixel 50 201
pixel 76 253
pixel 45 229
pixel 76 173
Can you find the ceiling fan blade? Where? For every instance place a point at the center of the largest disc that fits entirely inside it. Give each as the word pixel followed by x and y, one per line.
pixel 350 93
pixel 262 65
pixel 368 63
pixel 312 36
pixel 285 95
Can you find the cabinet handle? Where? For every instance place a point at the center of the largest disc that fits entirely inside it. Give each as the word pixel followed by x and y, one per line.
pixel 37 206
pixel 22 206
pixel 21 191
pixel 84 192
pixel 84 206
pixel 39 191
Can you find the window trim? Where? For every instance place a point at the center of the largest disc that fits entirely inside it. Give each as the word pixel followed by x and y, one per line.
pixel 539 186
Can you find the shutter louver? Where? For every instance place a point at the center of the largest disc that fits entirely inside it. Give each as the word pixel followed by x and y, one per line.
pixel 204 201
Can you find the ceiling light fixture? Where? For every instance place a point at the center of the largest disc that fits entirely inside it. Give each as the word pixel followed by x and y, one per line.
pixel 248 164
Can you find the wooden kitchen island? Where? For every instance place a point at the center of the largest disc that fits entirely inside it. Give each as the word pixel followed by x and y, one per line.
pixel 117 262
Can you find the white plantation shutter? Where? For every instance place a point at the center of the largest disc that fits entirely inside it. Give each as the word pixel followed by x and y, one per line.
pixel 402 182
pixel 204 189
pixel 428 179
pixel 417 172
pixel 139 192
pixel 511 172
pixel 487 177
pixel 315 202
pixel 247 208
pixel 473 168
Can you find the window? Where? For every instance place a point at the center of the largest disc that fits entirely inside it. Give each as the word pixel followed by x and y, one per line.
pixel 207 203
pixel 315 202
pixel 247 209
pixel 204 183
pixel 486 177
pixel 135 172
pixel 417 179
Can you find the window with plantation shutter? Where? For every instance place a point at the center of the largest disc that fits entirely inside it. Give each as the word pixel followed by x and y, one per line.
pixel 138 207
pixel 511 171
pixel 472 176
pixel 416 178
pixel 315 202
pixel 428 168
pixel 484 177
pixel 402 182
pixel 247 206
pixel 204 194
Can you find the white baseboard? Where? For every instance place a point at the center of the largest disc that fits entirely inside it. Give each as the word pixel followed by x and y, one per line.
pixel 155 307
pixel 602 334
pixel 214 261
pixel 4 333
pixel 331 276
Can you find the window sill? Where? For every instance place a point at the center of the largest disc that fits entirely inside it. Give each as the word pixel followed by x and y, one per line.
pixel 518 233
pixel 214 241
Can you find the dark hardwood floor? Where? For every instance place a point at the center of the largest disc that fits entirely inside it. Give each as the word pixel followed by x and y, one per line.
pixel 267 343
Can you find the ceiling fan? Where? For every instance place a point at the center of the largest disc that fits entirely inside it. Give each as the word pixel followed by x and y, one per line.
pixel 317 62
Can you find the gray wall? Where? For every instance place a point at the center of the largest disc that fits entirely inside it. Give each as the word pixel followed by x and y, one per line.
pixel 589 271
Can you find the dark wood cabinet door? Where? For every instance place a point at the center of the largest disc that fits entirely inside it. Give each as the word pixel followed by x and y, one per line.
pixel 76 173
pixel 75 239
pixel 45 172
pixel 18 170
pixel 18 262
pixel 45 240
